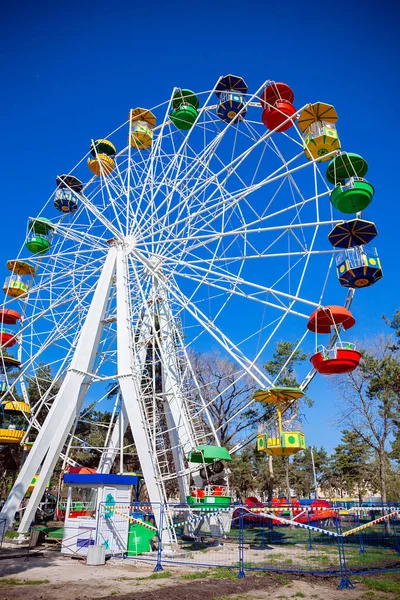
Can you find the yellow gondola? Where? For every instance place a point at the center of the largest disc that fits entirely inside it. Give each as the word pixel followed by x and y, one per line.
pixel 102 163
pixel 283 438
pixel 17 284
pixel 142 123
pixel 318 123
pixel 13 434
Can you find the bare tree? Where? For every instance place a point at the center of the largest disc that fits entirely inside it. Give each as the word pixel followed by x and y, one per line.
pixel 227 391
pixel 367 398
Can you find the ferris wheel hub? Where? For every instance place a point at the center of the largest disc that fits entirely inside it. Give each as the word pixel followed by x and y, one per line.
pixel 156 263
pixel 130 242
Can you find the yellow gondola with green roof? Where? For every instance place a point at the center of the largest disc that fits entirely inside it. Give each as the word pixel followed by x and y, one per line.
pixel 282 438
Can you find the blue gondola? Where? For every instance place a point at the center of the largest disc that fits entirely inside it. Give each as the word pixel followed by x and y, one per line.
pixel 66 199
pixel 355 232
pixel 358 267
pixel 231 90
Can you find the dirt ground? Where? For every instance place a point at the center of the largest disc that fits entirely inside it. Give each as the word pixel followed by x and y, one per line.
pixel 49 576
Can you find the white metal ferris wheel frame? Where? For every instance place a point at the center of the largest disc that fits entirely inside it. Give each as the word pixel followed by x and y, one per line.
pixel 49 444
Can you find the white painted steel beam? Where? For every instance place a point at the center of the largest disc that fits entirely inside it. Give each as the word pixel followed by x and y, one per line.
pixel 66 405
pixel 130 385
pixel 113 447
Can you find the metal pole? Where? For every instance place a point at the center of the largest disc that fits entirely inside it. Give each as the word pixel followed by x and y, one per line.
pixel 241 573
pixel 314 473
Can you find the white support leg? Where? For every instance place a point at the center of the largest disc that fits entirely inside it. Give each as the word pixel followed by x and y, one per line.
pixel 181 434
pixel 66 406
pixel 129 377
pixel 110 453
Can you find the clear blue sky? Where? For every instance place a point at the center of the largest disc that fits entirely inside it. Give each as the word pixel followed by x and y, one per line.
pixel 72 72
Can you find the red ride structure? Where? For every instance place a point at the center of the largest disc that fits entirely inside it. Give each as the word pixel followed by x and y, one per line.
pixel 317 511
pixel 277 101
pixel 7 336
pixel 343 357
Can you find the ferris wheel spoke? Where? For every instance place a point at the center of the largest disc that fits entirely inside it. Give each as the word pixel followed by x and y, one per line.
pixel 238 292
pixel 156 152
pixel 231 168
pixel 201 160
pixel 223 275
pixel 251 228
pixel 177 156
pixel 100 216
pixel 251 369
pixel 248 228
pixel 233 201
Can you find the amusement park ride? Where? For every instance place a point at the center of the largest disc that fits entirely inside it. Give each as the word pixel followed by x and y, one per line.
pixel 219 205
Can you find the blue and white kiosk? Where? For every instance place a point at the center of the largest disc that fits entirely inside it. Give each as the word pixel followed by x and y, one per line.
pixel 103 519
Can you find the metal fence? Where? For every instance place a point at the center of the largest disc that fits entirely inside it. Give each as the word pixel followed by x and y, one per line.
pixel 285 538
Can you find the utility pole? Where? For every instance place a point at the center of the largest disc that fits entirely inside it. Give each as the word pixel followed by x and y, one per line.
pixel 315 475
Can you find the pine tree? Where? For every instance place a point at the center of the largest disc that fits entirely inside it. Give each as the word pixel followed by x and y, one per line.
pixel 351 462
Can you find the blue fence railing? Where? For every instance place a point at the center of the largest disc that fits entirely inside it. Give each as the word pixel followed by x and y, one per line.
pixel 317 539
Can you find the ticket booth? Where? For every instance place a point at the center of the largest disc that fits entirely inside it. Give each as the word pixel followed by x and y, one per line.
pixel 96 510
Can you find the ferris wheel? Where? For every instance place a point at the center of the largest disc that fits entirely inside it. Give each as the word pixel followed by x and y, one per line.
pixel 203 222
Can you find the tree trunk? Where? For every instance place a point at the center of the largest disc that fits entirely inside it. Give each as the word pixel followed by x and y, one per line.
pixel 382 474
pixel 288 493
pixel 271 478
pixel 382 481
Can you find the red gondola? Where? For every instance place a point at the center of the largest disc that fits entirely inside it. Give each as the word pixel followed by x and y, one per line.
pixel 337 361
pixel 343 357
pixel 277 91
pixel 7 338
pixel 277 101
pixel 326 317
pixel 9 317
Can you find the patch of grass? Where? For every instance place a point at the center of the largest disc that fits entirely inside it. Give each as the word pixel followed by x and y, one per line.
pixel 9 581
pixel 197 575
pixel 324 559
pixel 279 578
pixel 159 575
pixel 388 583
pixel 11 534
pixel 299 595
pixel 220 573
